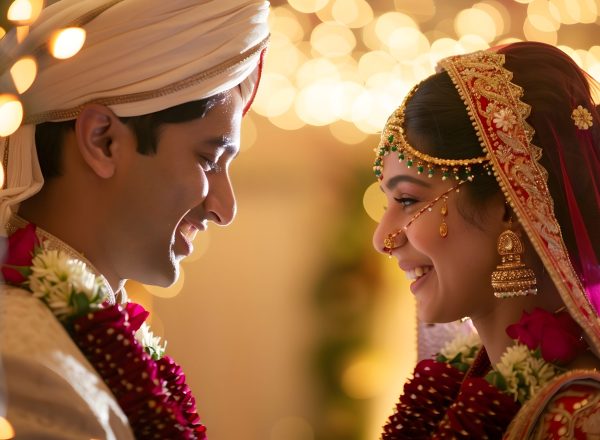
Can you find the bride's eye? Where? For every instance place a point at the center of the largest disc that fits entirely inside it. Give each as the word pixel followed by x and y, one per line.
pixel 405 201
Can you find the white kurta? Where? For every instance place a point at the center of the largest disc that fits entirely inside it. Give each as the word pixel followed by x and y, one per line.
pixel 50 389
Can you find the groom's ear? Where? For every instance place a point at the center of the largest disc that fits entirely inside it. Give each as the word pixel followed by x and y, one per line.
pixel 100 138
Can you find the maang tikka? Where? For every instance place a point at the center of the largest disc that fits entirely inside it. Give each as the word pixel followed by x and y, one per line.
pixel 512 277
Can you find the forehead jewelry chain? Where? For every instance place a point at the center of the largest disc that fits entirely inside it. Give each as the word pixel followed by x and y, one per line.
pixel 389 243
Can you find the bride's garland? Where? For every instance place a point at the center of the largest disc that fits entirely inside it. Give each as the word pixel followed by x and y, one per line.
pixel 453 397
pixel 149 386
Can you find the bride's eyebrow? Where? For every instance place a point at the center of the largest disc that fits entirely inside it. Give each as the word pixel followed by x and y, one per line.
pixel 392 182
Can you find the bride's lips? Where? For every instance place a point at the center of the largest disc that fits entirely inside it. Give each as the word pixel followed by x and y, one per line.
pixel 416 273
pixel 414 286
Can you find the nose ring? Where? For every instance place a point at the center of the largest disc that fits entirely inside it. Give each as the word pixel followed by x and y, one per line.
pixel 389 243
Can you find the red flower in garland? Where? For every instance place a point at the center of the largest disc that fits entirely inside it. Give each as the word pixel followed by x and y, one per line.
pixel 153 394
pixel 151 390
pixel 424 401
pixel 439 403
pixel 480 411
pixel 21 246
pixel 557 335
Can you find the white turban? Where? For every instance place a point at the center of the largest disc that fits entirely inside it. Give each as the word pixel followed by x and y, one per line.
pixel 139 57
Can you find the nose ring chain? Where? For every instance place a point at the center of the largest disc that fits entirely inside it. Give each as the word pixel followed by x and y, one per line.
pixel 389 243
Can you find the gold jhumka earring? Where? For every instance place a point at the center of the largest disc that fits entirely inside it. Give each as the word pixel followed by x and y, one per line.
pixel 512 277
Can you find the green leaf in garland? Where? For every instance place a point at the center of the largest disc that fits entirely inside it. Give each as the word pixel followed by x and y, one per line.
pixel 80 303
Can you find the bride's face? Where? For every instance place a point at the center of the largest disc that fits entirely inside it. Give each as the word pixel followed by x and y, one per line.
pixel 451 275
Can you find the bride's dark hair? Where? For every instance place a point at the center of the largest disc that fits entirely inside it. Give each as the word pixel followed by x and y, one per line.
pixel 437 123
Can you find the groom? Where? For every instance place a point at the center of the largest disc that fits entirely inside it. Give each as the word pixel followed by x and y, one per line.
pixel 123 158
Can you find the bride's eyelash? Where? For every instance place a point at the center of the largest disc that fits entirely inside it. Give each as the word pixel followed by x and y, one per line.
pixel 406 201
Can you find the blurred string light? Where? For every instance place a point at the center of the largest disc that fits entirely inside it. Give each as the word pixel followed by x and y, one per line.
pixel 6 430
pixel 343 60
pixel 17 78
pixel 365 376
pixel 67 42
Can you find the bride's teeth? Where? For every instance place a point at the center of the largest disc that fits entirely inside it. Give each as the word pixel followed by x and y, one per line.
pixel 417 272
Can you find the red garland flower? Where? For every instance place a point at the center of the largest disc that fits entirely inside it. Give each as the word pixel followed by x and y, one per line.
pixel 21 246
pixel 153 394
pixel 439 403
pixel 424 401
pixel 558 337
pixel 480 411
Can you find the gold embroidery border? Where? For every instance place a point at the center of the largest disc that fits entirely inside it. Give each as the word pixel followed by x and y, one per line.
pixel 527 417
pixel 482 73
pixel 72 113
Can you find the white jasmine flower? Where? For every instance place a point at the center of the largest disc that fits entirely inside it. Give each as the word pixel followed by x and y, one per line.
pixel 464 344
pixel 64 284
pixel 150 342
pixel 524 371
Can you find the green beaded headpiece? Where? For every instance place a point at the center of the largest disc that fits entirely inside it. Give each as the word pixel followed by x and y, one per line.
pixel 393 139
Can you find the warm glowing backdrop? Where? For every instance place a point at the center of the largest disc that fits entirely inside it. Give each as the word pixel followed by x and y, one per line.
pixel 289 325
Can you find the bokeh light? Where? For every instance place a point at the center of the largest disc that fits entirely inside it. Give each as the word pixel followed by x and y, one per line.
pixel 285 22
pixel 352 13
pixel 543 15
pixel 498 12
pixel 476 21
pixel 533 33
pixel 315 70
pixel 2 175
pixel 347 133
pixel 390 22
pixel 23 73
pixel 67 42
pixel 308 6
pixel 407 43
pixel 332 39
pixel 11 114
pixel 168 292
pixel 374 201
pixel 375 62
pixel 288 121
pixel 358 62
pixel 364 377
pixel 20 11
pixel 6 430
pixel 249 137
pixel 314 103
pixel 275 95
pixel 24 12
pixel 421 11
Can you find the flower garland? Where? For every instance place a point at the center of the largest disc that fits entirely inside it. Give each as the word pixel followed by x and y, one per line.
pixel 150 387
pixel 456 396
